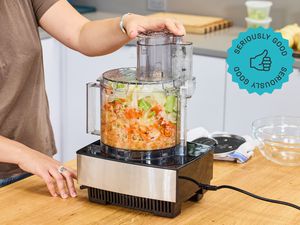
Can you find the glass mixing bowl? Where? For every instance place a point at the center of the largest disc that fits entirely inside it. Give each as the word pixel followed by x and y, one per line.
pixel 279 139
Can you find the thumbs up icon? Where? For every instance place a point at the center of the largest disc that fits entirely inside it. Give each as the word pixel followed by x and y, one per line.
pixel 261 62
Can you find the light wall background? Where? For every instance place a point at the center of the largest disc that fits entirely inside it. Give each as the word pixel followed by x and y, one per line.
pixel 283 11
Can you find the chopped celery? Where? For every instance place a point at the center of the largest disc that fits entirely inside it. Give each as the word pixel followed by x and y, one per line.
pixel 144 105
pixel 170 103
pixel 120 85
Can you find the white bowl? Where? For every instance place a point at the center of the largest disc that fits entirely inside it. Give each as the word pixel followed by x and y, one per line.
pixel 259 10
pixel 252 23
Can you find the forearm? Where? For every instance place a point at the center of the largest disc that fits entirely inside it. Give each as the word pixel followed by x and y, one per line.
pixel 101 37
pixel 11 151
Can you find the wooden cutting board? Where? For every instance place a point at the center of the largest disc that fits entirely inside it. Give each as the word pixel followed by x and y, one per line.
pixel 196 24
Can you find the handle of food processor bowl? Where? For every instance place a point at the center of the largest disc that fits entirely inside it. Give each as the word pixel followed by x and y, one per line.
pixel 182 59
pixel 183 122
pixel 92 127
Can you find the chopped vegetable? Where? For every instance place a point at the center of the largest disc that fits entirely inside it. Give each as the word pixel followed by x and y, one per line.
pixel 151 114
pixel 140 119
pixel 156 109
pixel 144 105
pixel 120 85
pixel 258 14
pixel 132 113
pixel 170 103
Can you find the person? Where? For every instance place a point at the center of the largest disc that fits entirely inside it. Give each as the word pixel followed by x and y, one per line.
pixel 26 137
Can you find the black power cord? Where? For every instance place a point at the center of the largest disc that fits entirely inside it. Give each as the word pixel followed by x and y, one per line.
pixel 215 188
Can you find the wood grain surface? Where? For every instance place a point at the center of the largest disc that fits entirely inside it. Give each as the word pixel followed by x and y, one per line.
pixel 28 202
pixel 196 24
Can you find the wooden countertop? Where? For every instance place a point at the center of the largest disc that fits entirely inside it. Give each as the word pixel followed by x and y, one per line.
pixel 28 202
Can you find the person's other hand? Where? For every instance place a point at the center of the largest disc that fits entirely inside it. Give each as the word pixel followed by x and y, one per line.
pixel 135 24
pixel 47 168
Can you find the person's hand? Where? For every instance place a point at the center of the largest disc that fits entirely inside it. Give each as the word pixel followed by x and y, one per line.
pixel 47 168
pixel 135 24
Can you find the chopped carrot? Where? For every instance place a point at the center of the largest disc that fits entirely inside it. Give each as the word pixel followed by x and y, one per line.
pixel 156 109
pixel 133 113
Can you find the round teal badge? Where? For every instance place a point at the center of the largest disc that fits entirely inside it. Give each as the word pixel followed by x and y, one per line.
pixel 260 60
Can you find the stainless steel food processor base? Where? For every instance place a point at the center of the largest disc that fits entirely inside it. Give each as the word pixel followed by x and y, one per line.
pixel 148 186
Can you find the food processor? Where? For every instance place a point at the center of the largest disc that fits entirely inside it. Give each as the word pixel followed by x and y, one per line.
pixel 142 151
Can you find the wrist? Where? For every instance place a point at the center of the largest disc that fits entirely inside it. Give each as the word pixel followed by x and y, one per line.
pixel 122 23
pixel 22 153
pixel 125 20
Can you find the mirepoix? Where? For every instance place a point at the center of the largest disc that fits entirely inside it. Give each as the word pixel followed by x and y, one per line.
pixel 139 117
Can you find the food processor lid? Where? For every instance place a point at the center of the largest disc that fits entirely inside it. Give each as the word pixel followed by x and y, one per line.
pixel 128 76
pixel 156 38
pixel 163 56
pixel 122 75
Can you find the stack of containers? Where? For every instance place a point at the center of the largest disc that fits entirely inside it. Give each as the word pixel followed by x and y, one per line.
pixel 258 14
